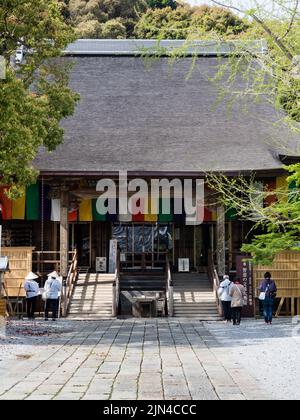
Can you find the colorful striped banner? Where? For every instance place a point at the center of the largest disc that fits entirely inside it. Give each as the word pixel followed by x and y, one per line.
pixel 178 204
pixel 85 211
pixel 45 205
pixel 153 210
pixel 6 205
pixel 72 216
pixel 18 208
pixel 269 186
pixel 55 210
pixel 138 204
pixel 33 202
pixel 166 209
pixel 97 217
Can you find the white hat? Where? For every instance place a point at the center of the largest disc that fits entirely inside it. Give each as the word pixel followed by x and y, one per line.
pixel 53 275
pixel 225 277
pixel 31 276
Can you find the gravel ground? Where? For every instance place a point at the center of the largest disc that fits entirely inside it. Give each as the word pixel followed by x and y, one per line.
pixel 22 339
pixel 271 354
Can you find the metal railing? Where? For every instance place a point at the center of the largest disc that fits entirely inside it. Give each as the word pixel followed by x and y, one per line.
pixel 214 278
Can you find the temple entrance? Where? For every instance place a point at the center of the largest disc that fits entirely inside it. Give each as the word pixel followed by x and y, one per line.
pixel 80 239
pixel 144 246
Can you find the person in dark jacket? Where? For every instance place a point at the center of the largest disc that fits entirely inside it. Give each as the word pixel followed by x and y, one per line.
pixel 268 287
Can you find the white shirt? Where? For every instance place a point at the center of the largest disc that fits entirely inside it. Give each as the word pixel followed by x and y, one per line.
pixel 32 288
pixel 225 296
pixel 52 288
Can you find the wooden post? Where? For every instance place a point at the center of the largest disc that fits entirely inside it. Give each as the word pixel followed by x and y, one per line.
pixel 171 301
pixel 114 300
pixel 288 306
pixel 195 248
pixel 230 245
pixel 293 306
pixel 221 240
pixel 279 307
pixel 91 243
pixel 64 237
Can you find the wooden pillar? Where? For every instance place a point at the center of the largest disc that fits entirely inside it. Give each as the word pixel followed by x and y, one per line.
pixel 64 234
pixel 293 306
pixel 221 240
pixel 195 248
pixel 230 245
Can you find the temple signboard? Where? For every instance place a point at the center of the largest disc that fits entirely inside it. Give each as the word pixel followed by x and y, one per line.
pixel 245 274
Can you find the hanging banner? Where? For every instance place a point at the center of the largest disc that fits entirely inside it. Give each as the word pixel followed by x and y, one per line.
pixel 55 210
pixel 245 274
pixel 113 250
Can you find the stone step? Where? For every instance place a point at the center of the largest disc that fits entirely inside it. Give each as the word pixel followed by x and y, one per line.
pixel 200 318
pixel 90 308
pixel 91 317
pixel 92 297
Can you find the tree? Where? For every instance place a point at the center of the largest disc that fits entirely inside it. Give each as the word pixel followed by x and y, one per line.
pixel 34 96
pixel 161 4
pixel 165 23
pixel 274 76
pixel 185 22
pixel 112 16
pixel 114 28
pixel 219 20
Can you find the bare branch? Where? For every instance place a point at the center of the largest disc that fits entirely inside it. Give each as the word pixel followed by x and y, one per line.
pixel 265 27
pixel 294 14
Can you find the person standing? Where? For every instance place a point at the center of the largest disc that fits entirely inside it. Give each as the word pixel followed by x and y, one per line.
pixel 238 295
pixel 268 289
pixel 225 297
pixel 52 293
pixel 31 288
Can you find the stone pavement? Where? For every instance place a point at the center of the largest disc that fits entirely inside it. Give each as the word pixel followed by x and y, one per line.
pixel 132 359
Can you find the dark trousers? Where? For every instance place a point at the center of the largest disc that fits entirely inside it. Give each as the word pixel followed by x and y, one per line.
pixel 268 309
pixel 226 310
pixel 31 304
pixel 236 315
pixel 51 305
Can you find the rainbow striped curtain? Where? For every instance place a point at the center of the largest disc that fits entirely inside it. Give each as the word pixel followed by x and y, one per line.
pixel 29 207
pixel 85 211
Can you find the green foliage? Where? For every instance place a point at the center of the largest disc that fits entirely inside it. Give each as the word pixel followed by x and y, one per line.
pixel 105 18
pixel 34 96
pixel 264 248
pixel 218 20
pixel 186 21
pixel 113 28
pixel 161 4
pixel 165 23
pixel 288 97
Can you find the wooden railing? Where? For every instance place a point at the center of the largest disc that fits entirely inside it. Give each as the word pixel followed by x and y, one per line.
pixel 68 284
pixel 214 278
pixel 169 290
pixel 116 289
pixel 45 261
pixel 144 260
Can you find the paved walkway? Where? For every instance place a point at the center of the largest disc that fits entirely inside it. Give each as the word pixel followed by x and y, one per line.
pixel 120 359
